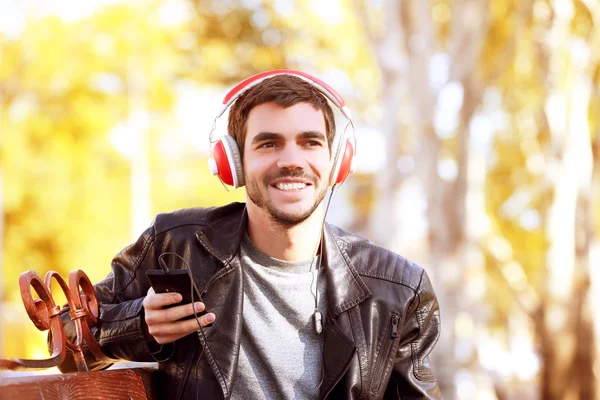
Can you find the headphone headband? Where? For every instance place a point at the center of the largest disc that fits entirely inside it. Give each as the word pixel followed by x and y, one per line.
pixel 321 86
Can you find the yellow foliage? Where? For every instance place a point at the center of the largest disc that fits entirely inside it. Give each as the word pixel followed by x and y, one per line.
pixel 65 86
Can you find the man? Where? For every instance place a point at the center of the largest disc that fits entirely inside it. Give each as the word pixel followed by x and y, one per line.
pixel 294 308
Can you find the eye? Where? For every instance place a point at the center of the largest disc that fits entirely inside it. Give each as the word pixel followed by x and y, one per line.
pixel 266 145
pixel 313 143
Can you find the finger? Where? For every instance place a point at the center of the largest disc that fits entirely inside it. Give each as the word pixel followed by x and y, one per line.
pixel 204 320
pixel 156 301
pixel 172 314
pixel 148 295
pixel 179 329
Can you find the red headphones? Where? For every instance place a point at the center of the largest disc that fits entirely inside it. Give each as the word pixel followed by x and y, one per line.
pixel 226 162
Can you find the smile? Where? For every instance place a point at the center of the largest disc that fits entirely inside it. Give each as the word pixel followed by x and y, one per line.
pixel 290 186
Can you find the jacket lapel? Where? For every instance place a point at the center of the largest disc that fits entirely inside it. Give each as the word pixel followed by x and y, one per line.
pixel 345 289
pixel 338 349
pixel 224 296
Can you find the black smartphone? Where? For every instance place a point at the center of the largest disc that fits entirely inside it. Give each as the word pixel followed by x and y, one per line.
pixel 175 281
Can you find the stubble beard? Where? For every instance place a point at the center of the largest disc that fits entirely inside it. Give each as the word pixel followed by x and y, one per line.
pixel 278 216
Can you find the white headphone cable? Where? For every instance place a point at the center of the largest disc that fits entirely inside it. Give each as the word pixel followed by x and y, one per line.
pixel 317 316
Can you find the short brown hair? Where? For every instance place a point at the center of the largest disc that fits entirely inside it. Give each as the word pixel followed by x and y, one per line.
pixel 285 91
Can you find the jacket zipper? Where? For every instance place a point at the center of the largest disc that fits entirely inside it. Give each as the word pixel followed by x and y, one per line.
pixel 384 354
pixel 395 320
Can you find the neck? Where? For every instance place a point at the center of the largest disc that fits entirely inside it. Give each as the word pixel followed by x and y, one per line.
pixel 296 243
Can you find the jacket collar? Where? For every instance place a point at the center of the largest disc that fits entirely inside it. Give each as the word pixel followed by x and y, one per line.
pixel 222 237
pixel 345 288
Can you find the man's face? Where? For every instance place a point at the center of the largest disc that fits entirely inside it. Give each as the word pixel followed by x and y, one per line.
pixel 286 161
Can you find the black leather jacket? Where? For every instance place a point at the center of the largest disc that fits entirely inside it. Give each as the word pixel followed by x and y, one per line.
pixel 382 323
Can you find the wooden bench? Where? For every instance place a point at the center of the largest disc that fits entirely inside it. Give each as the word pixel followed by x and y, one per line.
pixel 127 383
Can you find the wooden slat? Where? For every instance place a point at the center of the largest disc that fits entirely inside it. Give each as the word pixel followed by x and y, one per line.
pixel 127 384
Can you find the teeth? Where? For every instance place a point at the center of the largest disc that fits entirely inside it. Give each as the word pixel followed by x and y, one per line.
pixel 291 186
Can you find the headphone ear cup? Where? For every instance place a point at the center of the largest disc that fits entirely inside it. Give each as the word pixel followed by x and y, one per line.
pixel 227 162
pixel 343 151
pixel 235 160
pixel 344 167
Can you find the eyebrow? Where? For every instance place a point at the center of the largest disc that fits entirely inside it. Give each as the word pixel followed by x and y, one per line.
pixel 262 136
pixel 311 135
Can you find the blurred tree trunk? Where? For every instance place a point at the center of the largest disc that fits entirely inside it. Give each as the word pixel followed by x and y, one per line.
pixel 392 65
pixel 588 346
pixel 566 330
pixel 582 368
pixel 586 354
pixel 593 249
pixel 410 27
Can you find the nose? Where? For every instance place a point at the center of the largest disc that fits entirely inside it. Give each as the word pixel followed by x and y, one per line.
pixel 290 157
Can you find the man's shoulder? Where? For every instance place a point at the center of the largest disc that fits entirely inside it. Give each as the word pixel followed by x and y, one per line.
pixel 373 261
pixel 196 216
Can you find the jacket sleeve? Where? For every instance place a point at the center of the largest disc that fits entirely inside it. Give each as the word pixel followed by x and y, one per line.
pixel 121 324
pixel 412 376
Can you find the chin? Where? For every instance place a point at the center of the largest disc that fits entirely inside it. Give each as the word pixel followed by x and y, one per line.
pixel 289 217
pixel 283 211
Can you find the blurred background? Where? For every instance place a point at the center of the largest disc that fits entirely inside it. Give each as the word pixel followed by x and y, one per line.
pixel 479 154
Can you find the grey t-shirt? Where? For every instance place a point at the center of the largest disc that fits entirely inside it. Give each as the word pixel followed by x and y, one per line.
pixel 280 352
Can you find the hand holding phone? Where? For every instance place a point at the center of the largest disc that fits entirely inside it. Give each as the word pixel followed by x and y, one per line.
pixel 175 281
pixel 167 319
